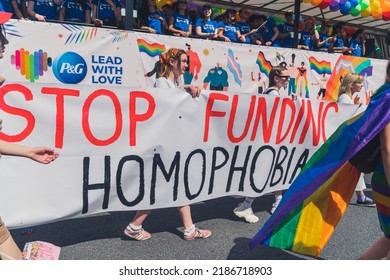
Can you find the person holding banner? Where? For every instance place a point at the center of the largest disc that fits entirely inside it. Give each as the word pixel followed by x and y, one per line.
pixel 174 63
pixel 44 155
pixel 352 83
pixel 278 78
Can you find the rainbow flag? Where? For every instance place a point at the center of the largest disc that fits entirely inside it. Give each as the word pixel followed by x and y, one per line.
pixel 264 65
pixel 318 197
pixel 279 56
pixel 346 64
pixel 152 50
pixel 234 67
pixel 320 66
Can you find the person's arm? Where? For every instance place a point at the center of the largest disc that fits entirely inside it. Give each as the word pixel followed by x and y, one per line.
pixel 171 29
pixel 88 16
pixel 363 46
pixel 223 37
pixel 39 154
pixel 385 150
pixel 61 13
pixel 193 90
pixel 274 37
pixel 16 10
pixel 32 13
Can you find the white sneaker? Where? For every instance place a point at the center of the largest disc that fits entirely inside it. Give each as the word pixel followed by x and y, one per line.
pixel 275 205
pixel 246 214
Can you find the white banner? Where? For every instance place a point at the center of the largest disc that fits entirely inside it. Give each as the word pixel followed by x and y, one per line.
pixel 126 146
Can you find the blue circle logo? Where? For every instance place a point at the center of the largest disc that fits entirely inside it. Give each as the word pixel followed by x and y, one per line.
pixel 69 68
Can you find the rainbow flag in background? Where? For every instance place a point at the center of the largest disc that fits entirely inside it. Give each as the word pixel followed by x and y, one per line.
pixel 346 64
pixel 264 65
pixel 318 197
pixel 279 56
pixel 154 49
pixel 234 67
pixel 320 66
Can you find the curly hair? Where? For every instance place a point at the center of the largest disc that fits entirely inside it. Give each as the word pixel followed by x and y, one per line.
pixel 172 53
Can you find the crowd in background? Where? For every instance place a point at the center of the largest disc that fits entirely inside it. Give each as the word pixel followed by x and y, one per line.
pixel 178 19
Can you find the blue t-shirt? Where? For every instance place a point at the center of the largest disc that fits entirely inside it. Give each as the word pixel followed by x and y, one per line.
pixel 229 30
pixel 307 39
pixel 154 22
pixel 285 28
pixel 323 37
pixel 269 32
pixel 181 22
pixel 339 43
pixel 244 29
pixel 46 8
pixel 259 35
pixel 74 10
pixel 210 26
pixel 104 10
pixel 5 6
pixel 358 47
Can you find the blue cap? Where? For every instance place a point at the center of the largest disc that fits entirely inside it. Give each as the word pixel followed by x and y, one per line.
pixel 206 6
pixel 228 11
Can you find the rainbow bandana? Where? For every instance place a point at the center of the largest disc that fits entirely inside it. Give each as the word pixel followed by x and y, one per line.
pixel 318 197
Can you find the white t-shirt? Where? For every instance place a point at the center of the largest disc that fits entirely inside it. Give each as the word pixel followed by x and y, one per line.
pixel 345 99
pixel 163 82
pixel 272 92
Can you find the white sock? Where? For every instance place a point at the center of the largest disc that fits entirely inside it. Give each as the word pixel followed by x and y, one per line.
pixel 189 230
pixel 248 202
pixel 134 227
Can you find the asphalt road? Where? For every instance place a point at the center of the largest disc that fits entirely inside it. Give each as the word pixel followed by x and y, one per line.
pixel 101 237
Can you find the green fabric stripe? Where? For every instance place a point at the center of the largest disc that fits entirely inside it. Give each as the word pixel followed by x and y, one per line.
pixel 284 234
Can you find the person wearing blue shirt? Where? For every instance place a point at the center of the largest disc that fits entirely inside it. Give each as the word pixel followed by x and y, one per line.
pixel 257 23
pixel 205 27
pixel 106 12
pixel 286 30
pixel 75 11
pixel 308 34
pixel 43 10
pixel 324 40
pixel 228 30
pixel 14 7
pixel 151 19
pixel 179 22
pixel 271 35
pixel 357 43
pixel 243 26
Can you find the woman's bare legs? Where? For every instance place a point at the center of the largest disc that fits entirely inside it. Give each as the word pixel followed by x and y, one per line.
pixel 10 250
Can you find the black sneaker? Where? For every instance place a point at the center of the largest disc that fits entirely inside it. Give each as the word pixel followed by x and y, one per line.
pixel 367 202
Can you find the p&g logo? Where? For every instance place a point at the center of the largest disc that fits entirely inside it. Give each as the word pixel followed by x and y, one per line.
pixel 69 68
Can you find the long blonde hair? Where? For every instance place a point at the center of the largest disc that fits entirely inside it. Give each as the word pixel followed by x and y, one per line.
pixel 348 81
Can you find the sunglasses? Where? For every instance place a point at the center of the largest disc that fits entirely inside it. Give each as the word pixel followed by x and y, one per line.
pixel 285 77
